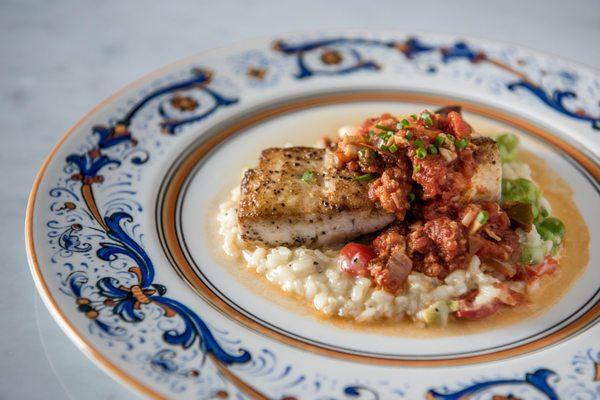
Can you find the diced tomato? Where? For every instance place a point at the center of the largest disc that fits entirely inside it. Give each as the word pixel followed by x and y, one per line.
pixel 480 312
pixel 546 267
pixel 506 296
pixel 531 274
pixel 458 126
pixel 355 257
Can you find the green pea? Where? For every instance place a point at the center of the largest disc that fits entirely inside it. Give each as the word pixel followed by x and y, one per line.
pixel 520 190
pixel 551 229
pixel 507 146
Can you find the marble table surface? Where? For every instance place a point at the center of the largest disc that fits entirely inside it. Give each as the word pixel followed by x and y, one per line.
pixel 60 58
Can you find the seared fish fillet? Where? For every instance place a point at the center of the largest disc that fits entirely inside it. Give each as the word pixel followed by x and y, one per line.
pixel 486 182
pixel 278 208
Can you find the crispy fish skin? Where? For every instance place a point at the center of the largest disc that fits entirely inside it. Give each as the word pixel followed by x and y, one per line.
pixel 278 208
pixel 486 182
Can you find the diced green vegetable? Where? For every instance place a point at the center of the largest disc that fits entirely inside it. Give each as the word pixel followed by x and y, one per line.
pixel 417 168
pixel 409 135
pixel 532 255
pixel 437 313
pixel 508 145
pixel 393 148
pixel 432 149
pixel 419 143
pixel 421 152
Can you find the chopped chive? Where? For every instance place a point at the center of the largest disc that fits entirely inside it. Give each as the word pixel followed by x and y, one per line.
pixel 393 148
pixel 363 178
pixel 482 217
pixel 414 116
pixel 371 133
pixel 384 128
pixel 411 197
pixel 419 143
pixel 409 135
pixel 432 149
pixel 421 152
pixel 417 168
pixel 386 135
pixel 402 124
pixel 383 147
pixel 461 144
pixel 439 141
pixel 308 176
pixel 426 117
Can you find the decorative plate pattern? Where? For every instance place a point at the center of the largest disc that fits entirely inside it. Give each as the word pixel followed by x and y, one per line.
pixel 96 253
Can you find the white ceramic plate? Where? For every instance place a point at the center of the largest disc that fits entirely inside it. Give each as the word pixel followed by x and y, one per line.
pixel 122 245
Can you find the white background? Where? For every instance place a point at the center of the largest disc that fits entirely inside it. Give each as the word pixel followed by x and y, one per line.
pixel 60 58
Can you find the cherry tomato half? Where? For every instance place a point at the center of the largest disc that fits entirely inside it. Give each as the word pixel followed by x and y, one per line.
pixel 355 257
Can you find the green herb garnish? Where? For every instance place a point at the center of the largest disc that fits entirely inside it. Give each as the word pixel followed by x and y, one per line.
pixel 417 168
pixel 461 144
pixel 426 117
pixel 308 176
pixel 439 141
pixel 409 135
pixel 432 149
pixel 411 197
pixel 402 124
pixel 421 152
pixel 363 178
pixel 384 128
pixel 386 136
pixel 414 116
pixel 393 148
pixel 419 143
pixel 482 217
